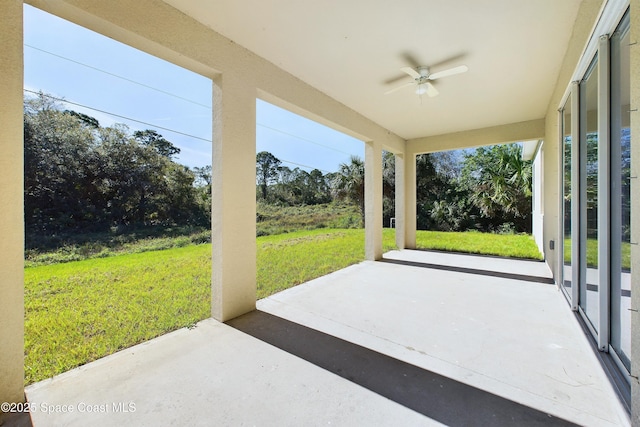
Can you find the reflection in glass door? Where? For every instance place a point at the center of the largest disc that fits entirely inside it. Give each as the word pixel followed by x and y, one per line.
pixel 620 196
pixel 589 140
pixel 595 145
pixel 567 274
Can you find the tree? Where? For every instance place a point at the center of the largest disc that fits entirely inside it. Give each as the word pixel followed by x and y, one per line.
pixel 296 189
pixel 79 175
pixel 266 170
pixel 202 176
pixel 89 121
pixel 448 164
pixel 202 184
pixel 144 185
pixel 319 187
pixel 435 195
pixel 441 206
pixel 131 177
pixel 153 139
pixel 388 186
pixel 59 167
pixel 178 199
pixel 499 184
pixel 348 183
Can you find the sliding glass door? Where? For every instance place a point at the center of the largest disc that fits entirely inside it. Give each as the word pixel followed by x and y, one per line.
pixel 620 196
pixel 567 279
pixel 588 165
pixel 595 188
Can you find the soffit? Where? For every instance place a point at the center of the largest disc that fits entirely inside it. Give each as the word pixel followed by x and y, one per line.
pixel 352 49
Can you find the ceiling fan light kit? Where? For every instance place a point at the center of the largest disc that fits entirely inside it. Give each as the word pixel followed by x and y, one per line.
pixel 421 89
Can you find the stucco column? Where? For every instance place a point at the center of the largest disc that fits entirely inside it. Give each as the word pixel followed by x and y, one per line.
pixel 635 212
pixel 410 200
pixel 373 200
pixel 400 211
pixel 11 200
pixel 233 222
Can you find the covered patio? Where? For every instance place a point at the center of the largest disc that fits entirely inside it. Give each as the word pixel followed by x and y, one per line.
pixel 502 347
pixel 408 340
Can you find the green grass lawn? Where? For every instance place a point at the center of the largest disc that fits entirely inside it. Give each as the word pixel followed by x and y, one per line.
pixel 67 247
pixel 79 311
pixel 592 253
pixel 272 219
pixel 507 245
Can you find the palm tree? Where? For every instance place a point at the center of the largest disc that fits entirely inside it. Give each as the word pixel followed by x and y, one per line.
pixel 499 183
pixel 348 182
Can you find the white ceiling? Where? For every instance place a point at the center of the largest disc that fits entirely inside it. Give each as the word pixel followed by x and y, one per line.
pixel 352 49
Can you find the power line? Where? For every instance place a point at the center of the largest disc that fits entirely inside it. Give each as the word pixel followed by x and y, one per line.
pixel 118 76
pixel 169 94
pixel 302 138
pixel 118 115
pixel 304 166
pixel 160 127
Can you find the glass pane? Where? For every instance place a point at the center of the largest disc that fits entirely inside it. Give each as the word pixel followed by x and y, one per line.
pixel 620 196
pixel 589 253
pixel 566 196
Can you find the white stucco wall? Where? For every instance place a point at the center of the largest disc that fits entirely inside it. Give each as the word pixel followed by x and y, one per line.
pixel 500 134
pixel 582 29
pixel 11 200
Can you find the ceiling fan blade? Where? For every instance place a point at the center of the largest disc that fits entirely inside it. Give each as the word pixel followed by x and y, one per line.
pixel 447 61
pixel 395 79
pixel 413 73
pixel 449 72
pixel 431 90
pixel 399 87
pixel 410 59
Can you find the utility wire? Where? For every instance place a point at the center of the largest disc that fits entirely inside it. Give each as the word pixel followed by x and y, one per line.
pixel 169 94
pixel 304 166
pixel 119 77
pixel 175 96
pixel 152 125
pixel 117 115
pixel 301 138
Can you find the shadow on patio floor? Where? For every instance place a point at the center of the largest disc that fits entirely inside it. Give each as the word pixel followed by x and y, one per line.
pixel 440 398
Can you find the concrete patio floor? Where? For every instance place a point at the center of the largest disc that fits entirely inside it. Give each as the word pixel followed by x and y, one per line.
pixel 420 338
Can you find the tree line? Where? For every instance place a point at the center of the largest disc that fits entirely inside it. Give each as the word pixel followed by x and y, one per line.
pixel 82 176
pixel 486 189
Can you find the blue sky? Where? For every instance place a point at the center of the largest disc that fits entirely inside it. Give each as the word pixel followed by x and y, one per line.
pixel 83 67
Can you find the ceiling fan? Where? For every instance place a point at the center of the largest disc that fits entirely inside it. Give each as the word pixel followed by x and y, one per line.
pixel 422 79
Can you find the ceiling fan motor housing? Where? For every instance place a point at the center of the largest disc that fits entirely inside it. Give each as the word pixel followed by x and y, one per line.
pixel 424 73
